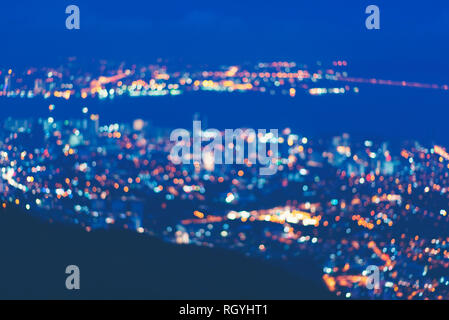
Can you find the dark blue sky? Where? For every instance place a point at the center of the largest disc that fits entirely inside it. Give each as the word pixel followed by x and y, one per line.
pixel 413 42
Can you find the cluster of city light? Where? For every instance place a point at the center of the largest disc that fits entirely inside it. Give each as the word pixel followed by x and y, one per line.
pixel 344 201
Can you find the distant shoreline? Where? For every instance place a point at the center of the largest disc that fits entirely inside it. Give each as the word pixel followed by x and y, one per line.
pixel 392 114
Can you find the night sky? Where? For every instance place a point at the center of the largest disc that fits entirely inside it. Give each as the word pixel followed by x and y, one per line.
pixel 412 43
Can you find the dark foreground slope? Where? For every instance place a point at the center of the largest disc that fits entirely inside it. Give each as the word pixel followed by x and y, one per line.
pixel 126 265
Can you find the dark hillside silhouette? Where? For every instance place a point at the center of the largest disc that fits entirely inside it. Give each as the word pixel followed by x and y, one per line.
pixel 125 265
